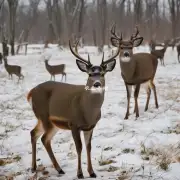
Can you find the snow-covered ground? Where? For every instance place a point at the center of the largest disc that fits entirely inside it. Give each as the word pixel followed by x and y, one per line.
pixel 146 148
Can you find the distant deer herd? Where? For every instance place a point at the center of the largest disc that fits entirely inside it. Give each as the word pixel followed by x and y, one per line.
pixel 58 105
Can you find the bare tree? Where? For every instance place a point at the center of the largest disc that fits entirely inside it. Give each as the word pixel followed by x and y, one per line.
pixel 1 4
pixel 51 30
pixel 12 4
pixel 31 18
pixel 102 14
pixel 174 12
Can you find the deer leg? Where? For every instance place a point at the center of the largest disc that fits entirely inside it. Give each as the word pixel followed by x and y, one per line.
pixel 78 143
pixel 62 77
pixel 46 140
pixel 148 90
pixel 87 138
pixel 22 76
pixel 35 134
pixel 54 77
pixel 178 57
pixel 163 61
pixel 128 90
pixel 155 94
pixel 65 76
pixel 136 93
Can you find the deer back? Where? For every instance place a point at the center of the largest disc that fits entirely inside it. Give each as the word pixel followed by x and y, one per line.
pixel 64 102
pixel 55 69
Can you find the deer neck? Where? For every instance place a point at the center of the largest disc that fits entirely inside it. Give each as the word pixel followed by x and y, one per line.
pixel 127 68
pixel 91 104
pixel 5 63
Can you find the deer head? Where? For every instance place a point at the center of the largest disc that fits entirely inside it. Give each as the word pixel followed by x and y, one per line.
pixel 126 47
pixel 96 74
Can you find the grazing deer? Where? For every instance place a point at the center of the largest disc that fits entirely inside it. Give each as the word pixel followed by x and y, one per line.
pixel 136 69
pixel 13 69
pixel 70 107
pixel 159 53
pixel 178 51
pixel 55 70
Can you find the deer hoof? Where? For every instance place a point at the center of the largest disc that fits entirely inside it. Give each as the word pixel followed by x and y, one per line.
pixel 137 116
pixel 33 170
pixel 80 176
pixel 61 171
pixel 126 117
pixel 93 175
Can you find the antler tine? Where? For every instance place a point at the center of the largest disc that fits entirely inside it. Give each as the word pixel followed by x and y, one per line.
pixel 75 53
pixel 89 59
pixel 114 33
pixel 111 58
pixel 136 33
pixel 102 58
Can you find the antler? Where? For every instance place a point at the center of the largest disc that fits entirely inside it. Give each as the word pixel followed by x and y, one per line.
pixel 135 34
pixel 76 54
pixel 110 59
pixel 114 33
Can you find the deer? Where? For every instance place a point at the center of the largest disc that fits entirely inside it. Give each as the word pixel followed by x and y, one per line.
pixel 77 108
pixel 178 51
pixel 159 53
pixel 136 69
pixel 13 69
pixel 55 70
pixel 1 57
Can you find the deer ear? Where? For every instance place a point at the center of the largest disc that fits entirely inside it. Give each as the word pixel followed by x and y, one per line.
pixel 82 66
pixel 115 42
pixel 137 41
pixel 110 66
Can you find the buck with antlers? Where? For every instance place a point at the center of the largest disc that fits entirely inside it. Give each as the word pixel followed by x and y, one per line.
pixel 70 107
pixel 136 69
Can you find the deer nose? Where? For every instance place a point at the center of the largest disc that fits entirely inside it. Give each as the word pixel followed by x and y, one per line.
pixel 97 84
pixel 126 54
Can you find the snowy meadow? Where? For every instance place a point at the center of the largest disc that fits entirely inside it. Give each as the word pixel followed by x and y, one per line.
pixel 147 148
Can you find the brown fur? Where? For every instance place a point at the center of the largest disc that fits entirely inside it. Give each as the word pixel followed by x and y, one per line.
pixel 178 52
pixel 136 69
pixel 13 69
pixel 159 53
pixel 55 70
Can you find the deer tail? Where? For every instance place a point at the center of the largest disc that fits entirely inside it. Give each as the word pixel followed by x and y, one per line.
pixel 29 97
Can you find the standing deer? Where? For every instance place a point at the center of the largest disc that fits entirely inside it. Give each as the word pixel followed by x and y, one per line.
pixel 70 107
pixel 136 69
pixel 13 69
pixel 1 57
pixel 55 70
pixel 178 51
pixel 159 53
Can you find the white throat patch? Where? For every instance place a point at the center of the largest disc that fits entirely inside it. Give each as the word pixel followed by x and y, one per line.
pixel 98 90
pixel 125 59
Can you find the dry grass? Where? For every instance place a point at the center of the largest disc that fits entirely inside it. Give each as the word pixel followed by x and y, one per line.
pixel 161 156
pixel 9 160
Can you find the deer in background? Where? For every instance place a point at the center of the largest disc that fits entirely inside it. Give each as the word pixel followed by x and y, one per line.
pixel 13 69
pixel 55 69
pixel 178 51
pixel 1 57
pixel 70 107
pixel 136 69
pixel 159 53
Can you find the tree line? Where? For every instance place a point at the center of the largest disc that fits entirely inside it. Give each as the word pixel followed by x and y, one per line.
pixel 57 21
